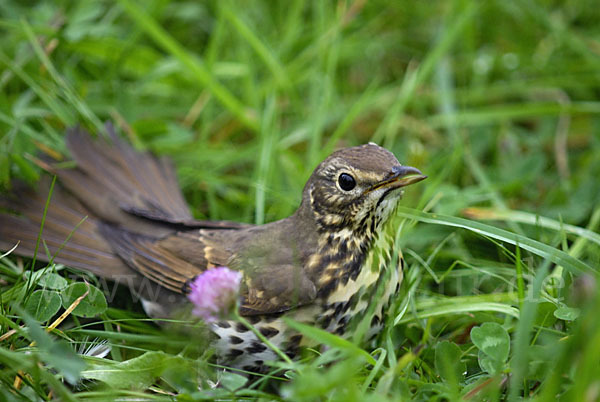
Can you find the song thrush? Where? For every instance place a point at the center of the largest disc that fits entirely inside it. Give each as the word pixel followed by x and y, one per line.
pixel 321 265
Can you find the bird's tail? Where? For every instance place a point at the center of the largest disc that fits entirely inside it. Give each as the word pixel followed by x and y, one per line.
pixel 69 234
pixel 112 184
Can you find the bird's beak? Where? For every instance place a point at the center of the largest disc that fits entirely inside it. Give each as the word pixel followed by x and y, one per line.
pixel 401 176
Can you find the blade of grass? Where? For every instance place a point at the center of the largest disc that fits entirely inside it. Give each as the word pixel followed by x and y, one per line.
pixel 205 78
pixel 263 52
pixel 579 246
pixel 526 321
pixel 458 308
pixel 39 238
pixel 416 77
pixel 68 92
pixel 520 111
pixel 329 339
pixel 62 112
pixel 500 298
pixel 373 372
pixel 530 219
pixel 122 336
pixel 533 246
pixel 520 281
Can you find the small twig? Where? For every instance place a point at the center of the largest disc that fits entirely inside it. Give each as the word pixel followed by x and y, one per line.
pixel 69 310
pixel 560 141
pixel 196 109
pixel 9 334
pixel 562 130
pixel 123 125
pixel 57 156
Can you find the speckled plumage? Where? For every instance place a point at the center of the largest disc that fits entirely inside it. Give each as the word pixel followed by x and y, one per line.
pixel 321 265
pixel 337 311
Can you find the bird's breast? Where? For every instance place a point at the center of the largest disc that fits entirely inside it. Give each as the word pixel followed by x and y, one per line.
pixel 371 288
pixel 355 278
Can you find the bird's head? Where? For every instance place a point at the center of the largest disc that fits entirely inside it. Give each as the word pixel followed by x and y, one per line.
pixel 357 188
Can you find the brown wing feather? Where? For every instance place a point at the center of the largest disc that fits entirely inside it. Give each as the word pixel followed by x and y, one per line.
pixel 276 289
pixel 171 261
pixel 174 260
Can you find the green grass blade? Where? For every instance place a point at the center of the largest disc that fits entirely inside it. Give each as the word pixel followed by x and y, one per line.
pixel 57 107
pixel 503 113
pixel 262 50
pixel 330 339
pixel 204 77
pixel 458 308
pixel 386 131
pixel 68 92
pixel 522 336
pixel 530 219
pixel 533 246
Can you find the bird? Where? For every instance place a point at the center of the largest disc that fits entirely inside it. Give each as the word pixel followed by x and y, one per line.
pixel 120 214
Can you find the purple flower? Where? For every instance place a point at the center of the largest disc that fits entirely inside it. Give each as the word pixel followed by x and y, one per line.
pixel 215 293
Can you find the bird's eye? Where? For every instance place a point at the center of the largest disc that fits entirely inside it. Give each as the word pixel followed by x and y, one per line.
pixel 346 182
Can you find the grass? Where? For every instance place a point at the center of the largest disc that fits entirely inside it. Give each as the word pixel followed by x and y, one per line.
pixel 496 101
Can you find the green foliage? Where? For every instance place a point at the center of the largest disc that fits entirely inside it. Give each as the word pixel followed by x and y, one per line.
pixel 496 101
pixel 566 313
pixel 57 354
pixel 493 343
pixel 447 362
pixel 325 338
pixel 52 281
pixel 92 304
pixel 137 373
pixel 43 304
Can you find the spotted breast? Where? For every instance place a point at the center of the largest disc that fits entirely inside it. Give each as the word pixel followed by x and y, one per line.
pixel 360 289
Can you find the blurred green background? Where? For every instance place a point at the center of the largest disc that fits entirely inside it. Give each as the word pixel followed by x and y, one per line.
pixel 497 101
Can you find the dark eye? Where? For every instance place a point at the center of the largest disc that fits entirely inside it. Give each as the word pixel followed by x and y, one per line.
pixel 346 182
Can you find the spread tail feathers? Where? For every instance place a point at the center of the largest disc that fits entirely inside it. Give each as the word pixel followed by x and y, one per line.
pixel 112 184
pixel 69 233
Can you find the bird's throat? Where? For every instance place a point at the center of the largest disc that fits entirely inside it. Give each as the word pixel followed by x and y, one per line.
pixel 342 255
pixel 368 281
